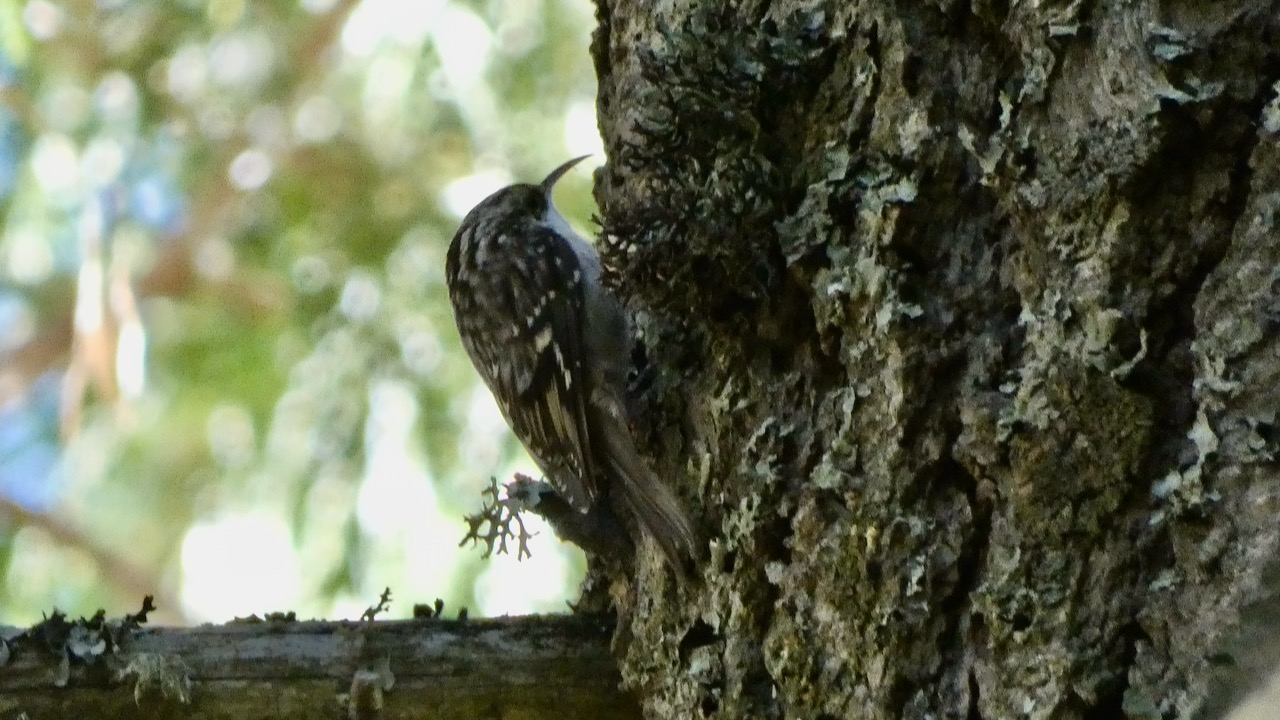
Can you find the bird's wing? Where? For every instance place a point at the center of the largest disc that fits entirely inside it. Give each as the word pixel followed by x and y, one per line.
pixel 537 370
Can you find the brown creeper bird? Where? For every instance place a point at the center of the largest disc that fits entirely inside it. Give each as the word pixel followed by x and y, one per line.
pixel 553 346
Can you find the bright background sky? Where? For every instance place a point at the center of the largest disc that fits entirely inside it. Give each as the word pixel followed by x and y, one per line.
pixel 228 371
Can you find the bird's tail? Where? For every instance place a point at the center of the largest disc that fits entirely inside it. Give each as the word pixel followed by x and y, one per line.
pixel 652 503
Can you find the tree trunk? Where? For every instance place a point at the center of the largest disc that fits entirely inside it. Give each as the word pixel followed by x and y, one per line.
pixel 959 329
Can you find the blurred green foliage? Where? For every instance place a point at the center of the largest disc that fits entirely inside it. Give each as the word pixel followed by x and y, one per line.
pixel 229 372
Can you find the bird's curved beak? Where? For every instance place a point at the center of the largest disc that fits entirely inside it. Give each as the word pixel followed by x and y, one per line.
pixel 555 175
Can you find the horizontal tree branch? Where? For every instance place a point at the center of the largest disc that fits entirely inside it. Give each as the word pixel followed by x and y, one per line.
pixel 526 667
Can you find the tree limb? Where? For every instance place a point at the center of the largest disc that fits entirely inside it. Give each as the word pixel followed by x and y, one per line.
pixel 527 667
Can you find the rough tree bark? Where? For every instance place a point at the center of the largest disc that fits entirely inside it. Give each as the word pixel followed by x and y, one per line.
pixel 960 330
pixel 555 667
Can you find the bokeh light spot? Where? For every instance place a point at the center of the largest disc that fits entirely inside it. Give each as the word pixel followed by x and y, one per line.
pixel 361 297
pixel 43 19
pixel 250 170
pixel 238 565
pixel 318 119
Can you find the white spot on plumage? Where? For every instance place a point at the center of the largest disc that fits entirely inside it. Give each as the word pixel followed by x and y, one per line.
pixel 543 339
pixel 568 376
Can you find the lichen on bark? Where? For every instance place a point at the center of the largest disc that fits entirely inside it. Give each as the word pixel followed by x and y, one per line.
pixel 958 325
